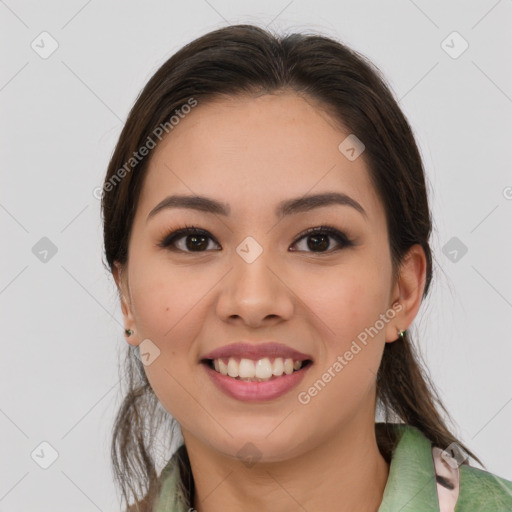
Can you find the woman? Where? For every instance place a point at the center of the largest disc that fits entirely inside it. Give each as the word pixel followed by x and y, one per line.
pixel 267 225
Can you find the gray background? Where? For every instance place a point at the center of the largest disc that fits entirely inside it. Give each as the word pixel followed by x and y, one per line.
pixel 61 116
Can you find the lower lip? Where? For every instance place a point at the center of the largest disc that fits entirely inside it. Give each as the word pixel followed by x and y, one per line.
pixel 256 391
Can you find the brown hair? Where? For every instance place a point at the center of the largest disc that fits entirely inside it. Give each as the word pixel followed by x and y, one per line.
pixel 248 60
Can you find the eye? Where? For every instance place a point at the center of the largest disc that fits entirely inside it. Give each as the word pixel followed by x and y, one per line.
pixel 318 238
pixel 195 240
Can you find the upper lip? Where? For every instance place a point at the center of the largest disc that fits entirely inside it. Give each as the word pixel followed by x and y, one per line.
pixel 257 351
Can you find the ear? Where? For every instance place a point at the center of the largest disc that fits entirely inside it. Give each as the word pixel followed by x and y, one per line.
pixel 121 278
pixel 408 291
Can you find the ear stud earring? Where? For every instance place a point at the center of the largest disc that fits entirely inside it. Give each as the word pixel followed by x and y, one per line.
pixel 128 332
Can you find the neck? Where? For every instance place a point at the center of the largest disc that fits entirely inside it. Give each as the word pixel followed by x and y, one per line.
pixel 346 473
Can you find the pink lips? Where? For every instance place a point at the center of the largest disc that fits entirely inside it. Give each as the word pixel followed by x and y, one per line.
pixel 255 352
pixel 256 391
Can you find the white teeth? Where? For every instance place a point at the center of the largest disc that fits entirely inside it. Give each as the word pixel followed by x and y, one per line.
pixel 260 370
pixel 278 367
pixel 263 368
pixel 223 367
pixel 246 369
pixel 232 368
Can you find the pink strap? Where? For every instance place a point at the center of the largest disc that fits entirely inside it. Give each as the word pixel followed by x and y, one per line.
pixel 447 473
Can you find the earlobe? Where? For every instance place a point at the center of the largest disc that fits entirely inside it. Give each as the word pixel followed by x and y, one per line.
pixel 130 338
pixel 396 331
pixel 128 333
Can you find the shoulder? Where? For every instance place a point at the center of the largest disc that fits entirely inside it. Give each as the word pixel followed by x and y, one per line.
pixel 425 477
pixel 481 490
pixel 464 488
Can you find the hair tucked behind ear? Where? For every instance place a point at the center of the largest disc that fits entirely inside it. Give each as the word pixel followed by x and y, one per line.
pixel 406 393
pixel 134 466
pixel 248 60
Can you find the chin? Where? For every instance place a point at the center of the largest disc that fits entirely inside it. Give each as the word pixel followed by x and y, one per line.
pixel 260 443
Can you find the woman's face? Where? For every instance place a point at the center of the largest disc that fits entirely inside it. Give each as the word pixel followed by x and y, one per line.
pixel 253 276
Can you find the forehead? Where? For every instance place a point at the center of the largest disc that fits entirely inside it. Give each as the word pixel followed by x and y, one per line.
pixel 253 151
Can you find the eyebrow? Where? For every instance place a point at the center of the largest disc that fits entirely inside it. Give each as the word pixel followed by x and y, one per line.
pixel 285 208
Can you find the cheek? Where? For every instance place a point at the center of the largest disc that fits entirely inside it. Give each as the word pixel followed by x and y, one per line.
pixel 169 304
pixel 165 301
pixel 346 303
pixel 166 306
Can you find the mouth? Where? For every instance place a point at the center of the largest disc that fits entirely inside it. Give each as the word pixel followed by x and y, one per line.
pixel 256 370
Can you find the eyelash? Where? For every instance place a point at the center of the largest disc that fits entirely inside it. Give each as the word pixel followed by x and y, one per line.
pixel 179 233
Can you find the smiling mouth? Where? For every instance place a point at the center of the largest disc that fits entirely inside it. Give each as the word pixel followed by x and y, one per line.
pixel 260 370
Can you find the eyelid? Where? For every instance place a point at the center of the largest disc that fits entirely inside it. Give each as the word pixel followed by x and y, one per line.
pixel 178 233
pixel 342 238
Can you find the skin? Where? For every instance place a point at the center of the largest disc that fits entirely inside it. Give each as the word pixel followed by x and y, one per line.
pixel 252 153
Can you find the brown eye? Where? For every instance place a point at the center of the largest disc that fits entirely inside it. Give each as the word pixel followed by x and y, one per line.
pixel 318 239
pixel 191 239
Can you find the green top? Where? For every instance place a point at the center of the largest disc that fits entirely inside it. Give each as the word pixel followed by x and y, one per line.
pixel 411 487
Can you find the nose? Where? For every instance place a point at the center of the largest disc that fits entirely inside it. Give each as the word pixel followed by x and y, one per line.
pixel 255 293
